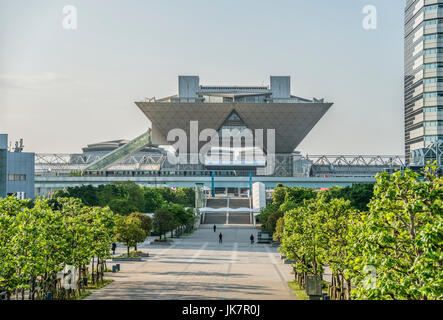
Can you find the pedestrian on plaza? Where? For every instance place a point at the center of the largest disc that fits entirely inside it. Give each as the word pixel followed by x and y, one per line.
pixel 252 238
pixel 114 246
pixel 220 238
pixel 215 227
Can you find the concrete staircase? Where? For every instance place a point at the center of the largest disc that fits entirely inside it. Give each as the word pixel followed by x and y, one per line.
pixel 224 217
pixel 217 203
pixel 215 218
pixel 239 218
pixel 239 203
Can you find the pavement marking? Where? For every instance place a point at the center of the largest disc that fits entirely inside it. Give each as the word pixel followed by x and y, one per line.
pixel 236 269
pixel 233 260
pixel 197 254
pixel 283 280
pixel 156 256
pixel 222 295
pixel 234 253
pixel 270 255
pixel 194 257
pixel 277 270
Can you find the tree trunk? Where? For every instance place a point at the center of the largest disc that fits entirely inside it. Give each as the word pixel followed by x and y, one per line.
pixel 334 287
pixel 98 265
pixel 79 284
pixel 92 271
pixel 348 282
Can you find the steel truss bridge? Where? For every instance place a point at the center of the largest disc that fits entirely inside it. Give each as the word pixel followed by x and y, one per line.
pixel 335 165
pixel 56 163
pixel 357 160
pixel 59 171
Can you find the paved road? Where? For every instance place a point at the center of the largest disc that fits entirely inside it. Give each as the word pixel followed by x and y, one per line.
pixel 198 267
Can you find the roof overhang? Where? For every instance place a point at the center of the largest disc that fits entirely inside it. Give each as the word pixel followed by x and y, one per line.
pixel 291 121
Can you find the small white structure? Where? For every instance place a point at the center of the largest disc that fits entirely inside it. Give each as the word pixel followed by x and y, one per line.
pixel 258 197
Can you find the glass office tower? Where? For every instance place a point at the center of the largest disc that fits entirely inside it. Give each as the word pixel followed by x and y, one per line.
pixel 423 74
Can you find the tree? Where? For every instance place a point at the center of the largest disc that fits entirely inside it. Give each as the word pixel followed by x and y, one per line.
pixel 122 206
pixel 152 199
pixel 272 219
pixel 129 231
pixel 166 193
pixel 87 194
pixel 145 220
pixel 266 212
pixel 163 221
pixel 278 196
pixel 279 229
pixel 336 218
pixel 39 238
pixel 301 240
pixel 298 195
pixel 360 195
pixel 181 216
pixel 107 193
pixel 185 197
pixel 135 195
pixel 402 238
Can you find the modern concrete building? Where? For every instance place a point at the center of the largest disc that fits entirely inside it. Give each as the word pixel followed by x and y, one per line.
pixel 423 76
pixel 235 107
pixel 16 170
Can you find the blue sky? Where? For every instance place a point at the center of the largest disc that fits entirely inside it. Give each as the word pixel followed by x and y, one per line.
pixel 62 89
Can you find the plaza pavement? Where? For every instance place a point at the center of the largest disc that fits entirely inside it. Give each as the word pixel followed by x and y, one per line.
pixel 198 267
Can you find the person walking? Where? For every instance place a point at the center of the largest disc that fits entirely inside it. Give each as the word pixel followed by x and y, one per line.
pixel 215 227
pixel 114 246
pixel 251 238
pixel 220 238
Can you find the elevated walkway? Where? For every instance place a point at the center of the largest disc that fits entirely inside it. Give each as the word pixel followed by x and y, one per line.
pixel 121 153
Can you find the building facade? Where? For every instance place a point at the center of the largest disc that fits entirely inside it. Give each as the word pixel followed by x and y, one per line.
pixel 423 75
pixel 204 114
pixel 16 171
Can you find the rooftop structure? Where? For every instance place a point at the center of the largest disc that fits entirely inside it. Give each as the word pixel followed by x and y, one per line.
pixel 235 107
pixel 278 91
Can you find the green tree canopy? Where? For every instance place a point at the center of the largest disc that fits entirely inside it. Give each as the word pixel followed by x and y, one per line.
pixel 153 200
pixel 402 237
pixel 163 221
pixel 146 221
pixel 129 231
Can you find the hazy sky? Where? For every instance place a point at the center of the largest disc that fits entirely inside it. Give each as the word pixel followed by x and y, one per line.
pixel 62 89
